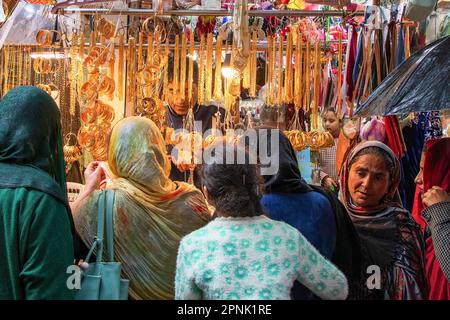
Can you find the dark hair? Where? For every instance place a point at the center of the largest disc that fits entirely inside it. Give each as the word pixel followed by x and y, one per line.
pixel 234 189
pixel 171 65
pixel 329 109
pixel 389 162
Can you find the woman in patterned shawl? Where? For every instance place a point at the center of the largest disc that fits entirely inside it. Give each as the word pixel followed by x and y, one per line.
pixel 152 212
pixel 391 241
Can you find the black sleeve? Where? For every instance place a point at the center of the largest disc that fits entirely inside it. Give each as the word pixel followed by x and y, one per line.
pixel 347 253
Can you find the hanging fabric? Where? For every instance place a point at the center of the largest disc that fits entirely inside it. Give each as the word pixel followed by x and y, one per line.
pixel 352 48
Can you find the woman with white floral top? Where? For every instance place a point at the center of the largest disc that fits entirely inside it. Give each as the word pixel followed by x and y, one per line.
pixel 243 254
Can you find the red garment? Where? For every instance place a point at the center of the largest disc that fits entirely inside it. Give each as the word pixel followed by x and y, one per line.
pixel 436 172
pixel 351 62
pixel 417 209
pixel 438 284
pixel 394 136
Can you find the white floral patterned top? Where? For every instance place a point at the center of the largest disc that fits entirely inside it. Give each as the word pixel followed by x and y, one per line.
pixel 252 258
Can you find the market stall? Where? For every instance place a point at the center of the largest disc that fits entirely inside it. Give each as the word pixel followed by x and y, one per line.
pixel 105 61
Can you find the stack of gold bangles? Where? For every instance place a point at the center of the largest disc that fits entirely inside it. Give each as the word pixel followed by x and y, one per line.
pixel 97 83
pixel 97 56
pixel 153 109
pixel 297 138
pixel 106 85
pixel 318 140
pixel 85 138
pixel 44 38
pixel 42 66
pixel 315 140
pixel 97 118
pixel 147 75
pixel 156 26
pixel 49 88
pixel 105 113
pixel 105 28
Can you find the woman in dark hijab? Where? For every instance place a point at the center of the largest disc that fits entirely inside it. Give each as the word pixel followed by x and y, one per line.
pixel 36 241
pixel 316 213
pixel 392 242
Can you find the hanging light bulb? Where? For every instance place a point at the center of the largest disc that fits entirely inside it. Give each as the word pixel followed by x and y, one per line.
pixel 193 56
pixel 229 72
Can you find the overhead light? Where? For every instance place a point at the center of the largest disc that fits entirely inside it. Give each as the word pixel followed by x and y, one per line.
pixel 193 56
pixel 47 55
pixel 228 71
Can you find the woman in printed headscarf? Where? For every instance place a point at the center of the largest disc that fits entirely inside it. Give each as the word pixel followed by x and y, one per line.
pixel 391 241
pixel 36 240
pixel 152 212
pixel 433 181
pixel 315 212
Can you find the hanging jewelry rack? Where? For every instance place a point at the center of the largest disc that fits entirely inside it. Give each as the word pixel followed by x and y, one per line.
pixel 216 13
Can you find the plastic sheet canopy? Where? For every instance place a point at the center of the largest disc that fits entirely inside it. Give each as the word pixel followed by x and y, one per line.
pixel 420 84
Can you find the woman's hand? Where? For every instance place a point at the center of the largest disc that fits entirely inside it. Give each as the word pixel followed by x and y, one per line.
pixel 329 184
pixel 435 195
pixel 181 166
pixel 93 175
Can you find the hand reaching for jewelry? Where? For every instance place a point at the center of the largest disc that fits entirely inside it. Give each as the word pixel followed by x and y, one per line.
pixel 93 175
pixel 181 166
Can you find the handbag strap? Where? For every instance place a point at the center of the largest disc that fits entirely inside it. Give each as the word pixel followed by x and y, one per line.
pixel 100 226
pixel 109 215
pixel 104 231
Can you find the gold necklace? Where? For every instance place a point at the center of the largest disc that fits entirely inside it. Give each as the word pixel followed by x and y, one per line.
pixel 191 67
pixel 121 66
pixel 166 71
pixel 253 65
pixel 201 73
pixel 6 53
pixel 183 67
pixel 208 67
pixel 218 95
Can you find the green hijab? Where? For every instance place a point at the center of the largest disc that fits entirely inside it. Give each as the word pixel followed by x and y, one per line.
pixel 31 153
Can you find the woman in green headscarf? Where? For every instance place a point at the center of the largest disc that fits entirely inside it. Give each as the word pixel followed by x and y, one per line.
pixel 36 242
pixel 152 212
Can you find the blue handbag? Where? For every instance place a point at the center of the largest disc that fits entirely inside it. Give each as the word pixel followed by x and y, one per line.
pixel 101 281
